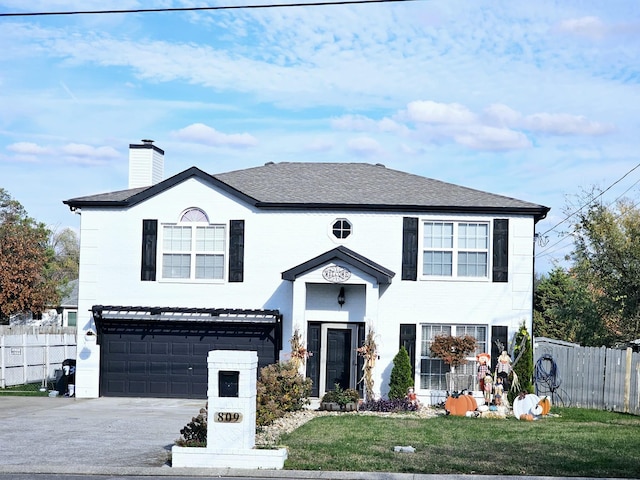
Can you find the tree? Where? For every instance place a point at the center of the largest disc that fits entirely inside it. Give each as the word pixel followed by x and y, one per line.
pixel 401 376
pixel 66 248
pixel 25 259
pixel 606 262
pixel 566 309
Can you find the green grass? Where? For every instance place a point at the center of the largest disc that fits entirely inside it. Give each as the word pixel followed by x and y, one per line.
pixel 28 390
pixel 579 442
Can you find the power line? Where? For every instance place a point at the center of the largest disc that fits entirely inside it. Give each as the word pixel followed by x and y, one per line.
pixel 548 251
pixel 589 202
pixel 194 9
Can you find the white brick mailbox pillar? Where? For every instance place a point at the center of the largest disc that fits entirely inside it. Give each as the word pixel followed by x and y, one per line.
pixel 231 420
pixel 232 399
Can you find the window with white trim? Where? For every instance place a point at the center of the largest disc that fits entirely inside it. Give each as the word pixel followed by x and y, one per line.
pixel 433 370
pixel 455 249
pixel 193 248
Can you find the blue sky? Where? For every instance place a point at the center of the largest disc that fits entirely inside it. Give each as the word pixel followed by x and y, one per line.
pixel 533 100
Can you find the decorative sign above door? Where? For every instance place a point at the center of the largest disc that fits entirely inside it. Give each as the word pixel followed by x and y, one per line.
pixel 336 274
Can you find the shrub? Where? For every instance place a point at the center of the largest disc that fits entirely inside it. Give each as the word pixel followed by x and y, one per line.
pixel 281 389
pixel 396 405
pixel 194 433
pixel 401 376
pixel 523 363
pixel 340 396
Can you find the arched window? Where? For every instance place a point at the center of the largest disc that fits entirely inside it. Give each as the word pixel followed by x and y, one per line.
pixel 193 248
pixel 194 215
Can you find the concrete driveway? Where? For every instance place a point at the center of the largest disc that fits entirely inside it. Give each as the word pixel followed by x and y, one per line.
pixel 100 432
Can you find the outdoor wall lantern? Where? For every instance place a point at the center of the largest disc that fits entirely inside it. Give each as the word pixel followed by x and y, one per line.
pixel 341 297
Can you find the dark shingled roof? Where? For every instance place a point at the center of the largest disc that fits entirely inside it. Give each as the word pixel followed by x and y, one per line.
pixel 350 186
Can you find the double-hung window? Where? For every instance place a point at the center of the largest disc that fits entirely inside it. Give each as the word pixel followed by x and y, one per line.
pixel 193 249
pixel 433 370
pixel 455 249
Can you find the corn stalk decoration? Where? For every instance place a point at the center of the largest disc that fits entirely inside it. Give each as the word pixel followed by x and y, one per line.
pixel 299 352
pixel 369 352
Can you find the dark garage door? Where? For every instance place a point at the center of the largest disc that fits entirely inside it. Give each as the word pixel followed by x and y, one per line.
pixel 169 359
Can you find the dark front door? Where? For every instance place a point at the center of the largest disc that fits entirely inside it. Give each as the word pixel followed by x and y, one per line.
pixel 338 358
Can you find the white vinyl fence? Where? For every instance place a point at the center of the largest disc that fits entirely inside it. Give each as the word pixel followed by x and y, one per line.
pixel 33 354
pixel 588 377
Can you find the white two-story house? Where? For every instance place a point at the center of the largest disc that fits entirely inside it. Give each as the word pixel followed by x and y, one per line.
pixel 173 268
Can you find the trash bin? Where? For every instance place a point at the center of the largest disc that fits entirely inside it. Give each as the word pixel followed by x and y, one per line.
pixel 66 385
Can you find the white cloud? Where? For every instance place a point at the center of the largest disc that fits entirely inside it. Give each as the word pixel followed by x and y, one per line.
pixel 355 123
pixel 364 147
pixel 565 124
pixel 29 148
pixel 203 134
pixel 427 111
pixel 481 137
pixel 320 145
pixel 361 123
pixel 589 26
pixel 88 154
pixel 501 115
pixel 71 152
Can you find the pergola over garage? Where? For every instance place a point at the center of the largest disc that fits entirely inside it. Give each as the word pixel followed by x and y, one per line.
pixel 162 352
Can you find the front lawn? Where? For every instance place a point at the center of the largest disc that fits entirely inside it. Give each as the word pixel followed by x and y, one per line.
pixel 578 442
pixel 28 390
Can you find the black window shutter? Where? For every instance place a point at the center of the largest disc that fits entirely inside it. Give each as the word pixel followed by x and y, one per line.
pixel 313 362
pixel 236 250
pixel 408 341
pixel 149 247
pixel 500 250
pixel 410 248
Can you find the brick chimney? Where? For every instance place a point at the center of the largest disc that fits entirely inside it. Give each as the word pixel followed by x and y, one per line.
pixel 146 164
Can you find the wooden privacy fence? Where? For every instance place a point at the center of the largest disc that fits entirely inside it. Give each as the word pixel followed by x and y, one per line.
pixel 33 354
pixel 589 377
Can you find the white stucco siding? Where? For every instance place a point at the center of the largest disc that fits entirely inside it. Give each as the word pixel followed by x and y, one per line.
pixel 276 241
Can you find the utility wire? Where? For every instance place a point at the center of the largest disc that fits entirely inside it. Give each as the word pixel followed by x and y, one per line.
pixel 589 202
pixel 548 250
pixel 194 9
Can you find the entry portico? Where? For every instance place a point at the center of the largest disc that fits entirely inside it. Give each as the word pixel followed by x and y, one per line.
pixel 335 297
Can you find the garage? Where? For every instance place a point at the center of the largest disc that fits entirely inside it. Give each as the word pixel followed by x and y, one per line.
pixel 162 352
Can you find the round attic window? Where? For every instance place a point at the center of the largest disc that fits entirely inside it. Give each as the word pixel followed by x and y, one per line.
pixel 341 228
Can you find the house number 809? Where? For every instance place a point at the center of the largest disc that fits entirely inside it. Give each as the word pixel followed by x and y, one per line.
pixel 228 417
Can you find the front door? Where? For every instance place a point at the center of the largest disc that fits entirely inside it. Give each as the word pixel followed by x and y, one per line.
pixel 338 362
pixel 338 358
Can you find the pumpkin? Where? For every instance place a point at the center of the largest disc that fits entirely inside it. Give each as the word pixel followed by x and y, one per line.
pixel 473 405
pixel 460 405
pixel 526 416
pixel 545 403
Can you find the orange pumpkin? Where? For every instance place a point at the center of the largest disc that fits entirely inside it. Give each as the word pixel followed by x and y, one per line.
pixel 526 416
pixel 460 405
pixel 545 403
pixel 473 405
